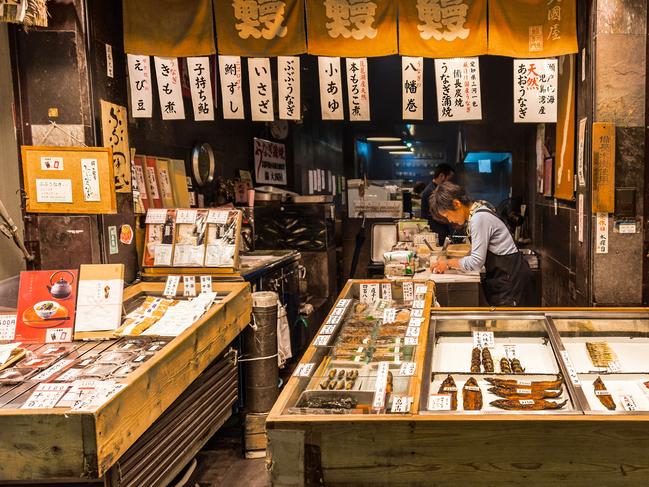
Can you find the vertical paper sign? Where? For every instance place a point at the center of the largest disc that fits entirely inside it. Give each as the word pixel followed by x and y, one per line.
pixel 288 81
pixel 261 90
pixel 169 91
pixel 412 79
pixel 581 147
pixel 231 92
pixel 200 85
pixel 535 90
pixel 114 133
pixel 331 96
pixel 601 240
pixel 90 180
pixel 139 75
pixel 358 89
pixel 580 217
pixel 603 156
pixel 458 89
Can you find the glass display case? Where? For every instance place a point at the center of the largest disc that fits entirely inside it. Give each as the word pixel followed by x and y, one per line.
pixel 493 364
pixel 608 357
pixel 365 356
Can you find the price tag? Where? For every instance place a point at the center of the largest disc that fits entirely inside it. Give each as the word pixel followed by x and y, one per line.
pixel 572 373
pixel 411 340
pixel 510 351
pixel 303 370
pixel 413 331
pixel 7 327
pixel 417 313
pixel 381 385
pixel 483 339
pixel 189 286
pixel 186 216
pixel 602 393
pixel 415 321
pixel 369 293
pixel 171 287
pixel 45 396
pixel 524 392
pixel 421 289
pixel 57 335
pixel 401 404
pixel 156 216
pixel 206 284
pixel 219 217
pixel 343 303
pixel 419 303
pixel 338 311
pixel 628 403
pixel 162 254
pixel 407 369
pixel 389 315
pixel 408 291
pixel 614 366
pixel 321 340
pixel 328 329
pixel 524 382
pixel 526 402
pixel 472 388
pixel 334 320
pixel 69 375
pixel 439 402
pixel 386 291
pixel 50 371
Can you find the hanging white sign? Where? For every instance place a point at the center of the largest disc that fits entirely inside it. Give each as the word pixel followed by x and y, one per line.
pixel 331 88
pixel 358 90
pixel 231 92
pixel 412 88
pixel 288 81
pixel 458 89
pixel 139 75
pixel 601 241
pixel 535 90
pixel 169 90
pixel 200 85
pixel 261 90
pixel 581 175
pixel 580 218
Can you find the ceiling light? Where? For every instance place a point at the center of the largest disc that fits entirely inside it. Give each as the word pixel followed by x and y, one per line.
pixel 393 147
pixel 403 153
pixel 383 139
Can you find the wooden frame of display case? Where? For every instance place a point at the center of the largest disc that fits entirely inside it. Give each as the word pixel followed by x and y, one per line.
pixel 464 449
pixel 63 445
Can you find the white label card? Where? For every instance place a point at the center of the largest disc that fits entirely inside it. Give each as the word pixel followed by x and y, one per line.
pixel 171 286
pixel 535 90
pixel 415 321
pixel 231 89
pixel 614 366
pixel 220 217
pixel 162 255
pixel 386 291
pixel 572 373
pixel 331 89
pixel 510 351
pixel 369 293
pixel 439 402
pixel 206 284
pixel 602 393
pixel 601 239
pixel 421 289
pixel 303 370
pixel 51 163
pixel 407 369
pixel 400 404
pixel 90 180
pixel 526 402
pixel 417 313
pixel 419 303
pixel 57 335
pixel 321 340
pixel 288 82
pixel 45 396
pixel 358 89
pixel 483 339
pixel 200 84
pixel 413 331
pixel 7 327
pixel 411 340
pixel 580 218
pixel 328 329
pixel 389 315
pixel 581 145
pixel 261 90
pixel 139 76
pixel 186 216
pixel 343 303
pixel 54 190
pixel 156 216
pixel 408 291
pixel 189 286
pixel 412 86
pixel 169 88
pixel 458 89
pixel 334 319
pixel 381 385
pixel 109 61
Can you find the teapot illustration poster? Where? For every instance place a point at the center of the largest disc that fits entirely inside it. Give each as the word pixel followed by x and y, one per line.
pixel 46 305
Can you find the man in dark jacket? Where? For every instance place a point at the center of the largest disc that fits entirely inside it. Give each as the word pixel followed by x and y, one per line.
pixel 443 172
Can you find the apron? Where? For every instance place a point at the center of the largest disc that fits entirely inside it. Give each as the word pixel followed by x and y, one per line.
pixel 508 277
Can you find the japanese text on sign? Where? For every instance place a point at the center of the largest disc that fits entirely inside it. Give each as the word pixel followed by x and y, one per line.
pixel 601 241
pixel 400 404
pixel 381 385
pixel 139 75
pixel 358 89
pixel 260 18
pixel 90 180
pixel 189 286
pixel 303 370
pixel 369 293
pixel 331 97
pixel 288 81
pixel 408 291
pixel 412 79
pixel 171 286
pixel 458 89
pixel 350 18
pixel 270 162
pixel 535 90
pixel 386 291
pixel 483 339
pixel 200 85
pixel 443 19
pixel 231 89
pixel 169 90
pixel 407 369
pixel 261 89
pixel 439 402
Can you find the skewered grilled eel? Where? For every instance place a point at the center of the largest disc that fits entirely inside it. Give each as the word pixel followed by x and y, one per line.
pixel 603 395
pixel 487 361
pixel 525 393
pixel 475 361
pixel 527 404
pixel 535 385
pixel 505 366
pixel 471 395
pixel 517 368
pixel 448 387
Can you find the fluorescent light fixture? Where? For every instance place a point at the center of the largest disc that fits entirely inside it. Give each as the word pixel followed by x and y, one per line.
pixel 393 147
pixel 383 139
pixel 403 153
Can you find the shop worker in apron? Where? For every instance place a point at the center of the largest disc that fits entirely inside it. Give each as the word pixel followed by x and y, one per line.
pixel 508 277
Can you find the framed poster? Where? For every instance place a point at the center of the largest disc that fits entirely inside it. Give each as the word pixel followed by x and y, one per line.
pixel 270 162
pixel 69 180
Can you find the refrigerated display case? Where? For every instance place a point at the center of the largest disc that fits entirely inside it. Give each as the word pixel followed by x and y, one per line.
pixel 527 409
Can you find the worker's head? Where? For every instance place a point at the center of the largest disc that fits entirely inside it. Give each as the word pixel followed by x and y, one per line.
pixel 443 172
pixel 451 201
